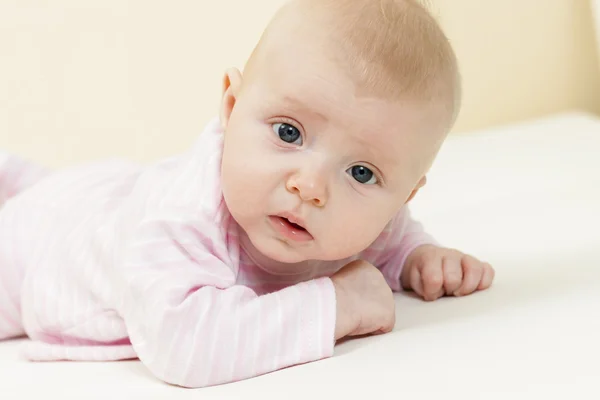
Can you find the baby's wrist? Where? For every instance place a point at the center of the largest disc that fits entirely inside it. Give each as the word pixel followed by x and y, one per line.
pixel 345 322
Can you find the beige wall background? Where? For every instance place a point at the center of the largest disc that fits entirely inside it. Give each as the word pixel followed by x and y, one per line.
pixel 522 58
pixel 82 80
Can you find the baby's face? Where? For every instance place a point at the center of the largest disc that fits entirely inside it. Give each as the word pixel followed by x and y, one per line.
pixel 311 170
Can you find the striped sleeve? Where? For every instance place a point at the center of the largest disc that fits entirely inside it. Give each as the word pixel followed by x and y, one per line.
pixel 192 326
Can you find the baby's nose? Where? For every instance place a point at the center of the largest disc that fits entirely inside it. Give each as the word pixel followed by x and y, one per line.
pixel 310 185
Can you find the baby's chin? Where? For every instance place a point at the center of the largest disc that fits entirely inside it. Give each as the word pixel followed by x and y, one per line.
pixel 284 253
pixel 281 252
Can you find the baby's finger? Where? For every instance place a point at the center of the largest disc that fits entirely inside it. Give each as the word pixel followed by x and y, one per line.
pixel 415 281
pixel 487 278
pixel 433 279
pixel 453 274
pixel 472 273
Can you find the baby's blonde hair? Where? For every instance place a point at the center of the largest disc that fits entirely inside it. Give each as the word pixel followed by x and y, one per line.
pixel 392 48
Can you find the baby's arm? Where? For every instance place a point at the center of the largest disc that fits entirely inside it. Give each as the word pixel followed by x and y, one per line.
pixel 392 248
pixel 192 326
pixel 187 319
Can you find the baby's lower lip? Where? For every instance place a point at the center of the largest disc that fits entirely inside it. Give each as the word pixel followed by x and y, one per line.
pixel 289 231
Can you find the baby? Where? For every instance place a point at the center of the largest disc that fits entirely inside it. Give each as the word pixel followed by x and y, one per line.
pixel 283 229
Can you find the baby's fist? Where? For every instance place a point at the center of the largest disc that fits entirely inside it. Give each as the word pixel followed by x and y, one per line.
pixel 433 272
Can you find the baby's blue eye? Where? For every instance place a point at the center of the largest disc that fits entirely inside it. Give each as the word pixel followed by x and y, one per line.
pixel 363 175
pixel 288 133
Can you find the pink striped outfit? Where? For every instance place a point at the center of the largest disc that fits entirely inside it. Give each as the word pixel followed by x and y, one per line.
pixel 114 260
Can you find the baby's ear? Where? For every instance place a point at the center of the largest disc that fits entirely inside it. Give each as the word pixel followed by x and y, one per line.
pixel 422 182
pixel 232 82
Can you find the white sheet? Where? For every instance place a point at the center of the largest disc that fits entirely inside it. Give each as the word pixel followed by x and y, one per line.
pixel 525 197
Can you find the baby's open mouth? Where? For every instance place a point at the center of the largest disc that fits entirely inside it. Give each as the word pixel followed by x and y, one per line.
pixel 295 226
pixel 290 230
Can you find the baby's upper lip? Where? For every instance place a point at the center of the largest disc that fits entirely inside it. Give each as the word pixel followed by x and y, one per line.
pixel 293 218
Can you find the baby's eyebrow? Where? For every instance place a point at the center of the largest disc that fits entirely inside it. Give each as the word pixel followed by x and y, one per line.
pixel 292 102
pixel 382 156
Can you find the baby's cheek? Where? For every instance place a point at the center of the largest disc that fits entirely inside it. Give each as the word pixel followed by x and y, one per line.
pixel 233 186
pixel 351 238
pixel 245 188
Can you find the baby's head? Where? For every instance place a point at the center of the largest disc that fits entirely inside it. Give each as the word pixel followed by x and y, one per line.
pixel 334 124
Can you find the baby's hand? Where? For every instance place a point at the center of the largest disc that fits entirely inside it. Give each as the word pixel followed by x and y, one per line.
pixel 433 272
pixel 364 301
